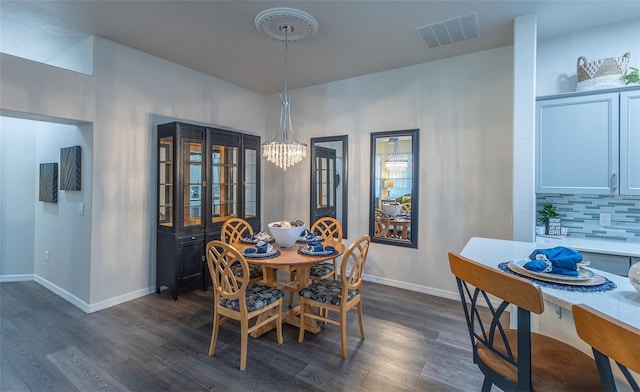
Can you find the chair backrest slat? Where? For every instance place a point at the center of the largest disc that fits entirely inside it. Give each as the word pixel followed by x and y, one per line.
pixel 357 255
pixel 234 229
pixel 511 288
pixel 220 257
pixel 612 338
pixel 328 227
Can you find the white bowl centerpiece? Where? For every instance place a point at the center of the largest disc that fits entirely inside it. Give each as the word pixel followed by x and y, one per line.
pixel 286 233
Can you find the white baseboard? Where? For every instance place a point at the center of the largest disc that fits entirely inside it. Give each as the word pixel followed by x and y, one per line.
pixel 16 278
pixel 77 302
pixel 121 299
pixel 90 308
pixel 413 287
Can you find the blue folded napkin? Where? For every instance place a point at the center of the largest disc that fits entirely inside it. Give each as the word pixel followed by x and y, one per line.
pixel 261 247
pixel 248 237
pixel 558 260
pixel 306 234
pixel 315 246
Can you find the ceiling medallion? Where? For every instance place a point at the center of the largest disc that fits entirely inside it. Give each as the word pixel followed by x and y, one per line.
pixel 303 25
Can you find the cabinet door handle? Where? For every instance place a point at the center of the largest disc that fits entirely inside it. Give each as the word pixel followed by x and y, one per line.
pixel 613 182
pixel 193 238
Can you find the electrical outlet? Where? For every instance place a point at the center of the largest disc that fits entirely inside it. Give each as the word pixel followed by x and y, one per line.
pixel 605 219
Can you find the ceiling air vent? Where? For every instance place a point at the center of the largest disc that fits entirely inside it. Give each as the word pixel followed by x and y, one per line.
pixel 462 28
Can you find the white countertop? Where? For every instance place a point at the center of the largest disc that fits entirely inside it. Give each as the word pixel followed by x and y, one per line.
pixel 621 248
pixel 622 303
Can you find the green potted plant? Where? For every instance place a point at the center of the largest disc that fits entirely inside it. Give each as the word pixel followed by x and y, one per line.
pixel 631 77
pixel 551 219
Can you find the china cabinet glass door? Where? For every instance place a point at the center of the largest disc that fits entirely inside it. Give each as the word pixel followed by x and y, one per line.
pixel 193 182
pixel 250 183
pixel 165 173
pixel 224 183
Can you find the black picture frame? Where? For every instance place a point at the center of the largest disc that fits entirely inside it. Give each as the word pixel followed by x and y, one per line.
pixel 48 189
pixel 70 168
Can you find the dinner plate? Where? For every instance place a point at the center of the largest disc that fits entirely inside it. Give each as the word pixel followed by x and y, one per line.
pixel 305 251
pixel 256 255
pixel 305 240
pixel 247 240
pixel 585 275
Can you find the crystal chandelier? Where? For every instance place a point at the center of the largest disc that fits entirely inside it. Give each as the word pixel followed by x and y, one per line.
pixel 396 162
pixel 284 150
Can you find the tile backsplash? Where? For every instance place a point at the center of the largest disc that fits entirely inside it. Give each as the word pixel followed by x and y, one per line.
pixel 581 215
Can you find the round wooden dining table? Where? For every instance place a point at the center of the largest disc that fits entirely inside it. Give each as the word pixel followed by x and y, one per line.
pixel 289 260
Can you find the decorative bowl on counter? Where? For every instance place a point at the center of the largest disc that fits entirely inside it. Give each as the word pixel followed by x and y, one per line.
pixel 284 235
pixel 634 276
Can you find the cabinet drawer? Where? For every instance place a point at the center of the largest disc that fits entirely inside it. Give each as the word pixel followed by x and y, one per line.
pixel 618 265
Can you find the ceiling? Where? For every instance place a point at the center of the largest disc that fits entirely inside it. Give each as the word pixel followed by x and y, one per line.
pixel 354 38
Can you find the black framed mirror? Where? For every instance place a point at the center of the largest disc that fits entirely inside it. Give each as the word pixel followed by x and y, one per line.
pixel 329 179
pixel 393 212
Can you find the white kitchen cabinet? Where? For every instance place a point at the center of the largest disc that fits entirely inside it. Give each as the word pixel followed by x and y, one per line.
pixel 630 143
pixel 579 146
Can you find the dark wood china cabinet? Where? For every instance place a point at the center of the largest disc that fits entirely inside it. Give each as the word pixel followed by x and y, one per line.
pixel 206 175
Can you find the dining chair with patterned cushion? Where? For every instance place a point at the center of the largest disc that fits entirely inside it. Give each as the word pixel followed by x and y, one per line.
pixel 327 227
pixel 515 359
pixel 609 339
pixel 233 230
pixel 338 295
pixel 405 208
pixel 234 297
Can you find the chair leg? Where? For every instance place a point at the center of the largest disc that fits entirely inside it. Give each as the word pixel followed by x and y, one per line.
pixel 335 268
pixel 244 337
pixel 214 332
pixel 301 333
pixel 343 332
pixel 360 320
pixel 292 277
pixel 279 322
pixel 486 384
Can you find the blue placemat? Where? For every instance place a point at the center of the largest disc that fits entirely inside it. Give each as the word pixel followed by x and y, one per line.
pixel 606 286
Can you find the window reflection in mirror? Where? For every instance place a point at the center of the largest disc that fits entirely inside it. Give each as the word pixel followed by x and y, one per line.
pixel 329 185
pixel 393 212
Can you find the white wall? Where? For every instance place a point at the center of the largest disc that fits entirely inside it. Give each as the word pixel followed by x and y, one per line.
pixel 130 93
pixel 558 56
pixel 463 108
pixel 18 196
pixel 524 82
pixel 59 228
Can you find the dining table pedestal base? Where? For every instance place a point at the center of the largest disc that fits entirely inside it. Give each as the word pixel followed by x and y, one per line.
pixel 291 316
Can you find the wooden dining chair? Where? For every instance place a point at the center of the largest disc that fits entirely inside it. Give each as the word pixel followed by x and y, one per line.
pixel 381 224
pixel 515 359
pixel 327 227
pixel 338 295
pixel 609 339
pixel 233 230
pixel 405 208
pixel 234 297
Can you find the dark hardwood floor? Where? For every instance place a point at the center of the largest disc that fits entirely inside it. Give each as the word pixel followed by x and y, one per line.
pixel 414 342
